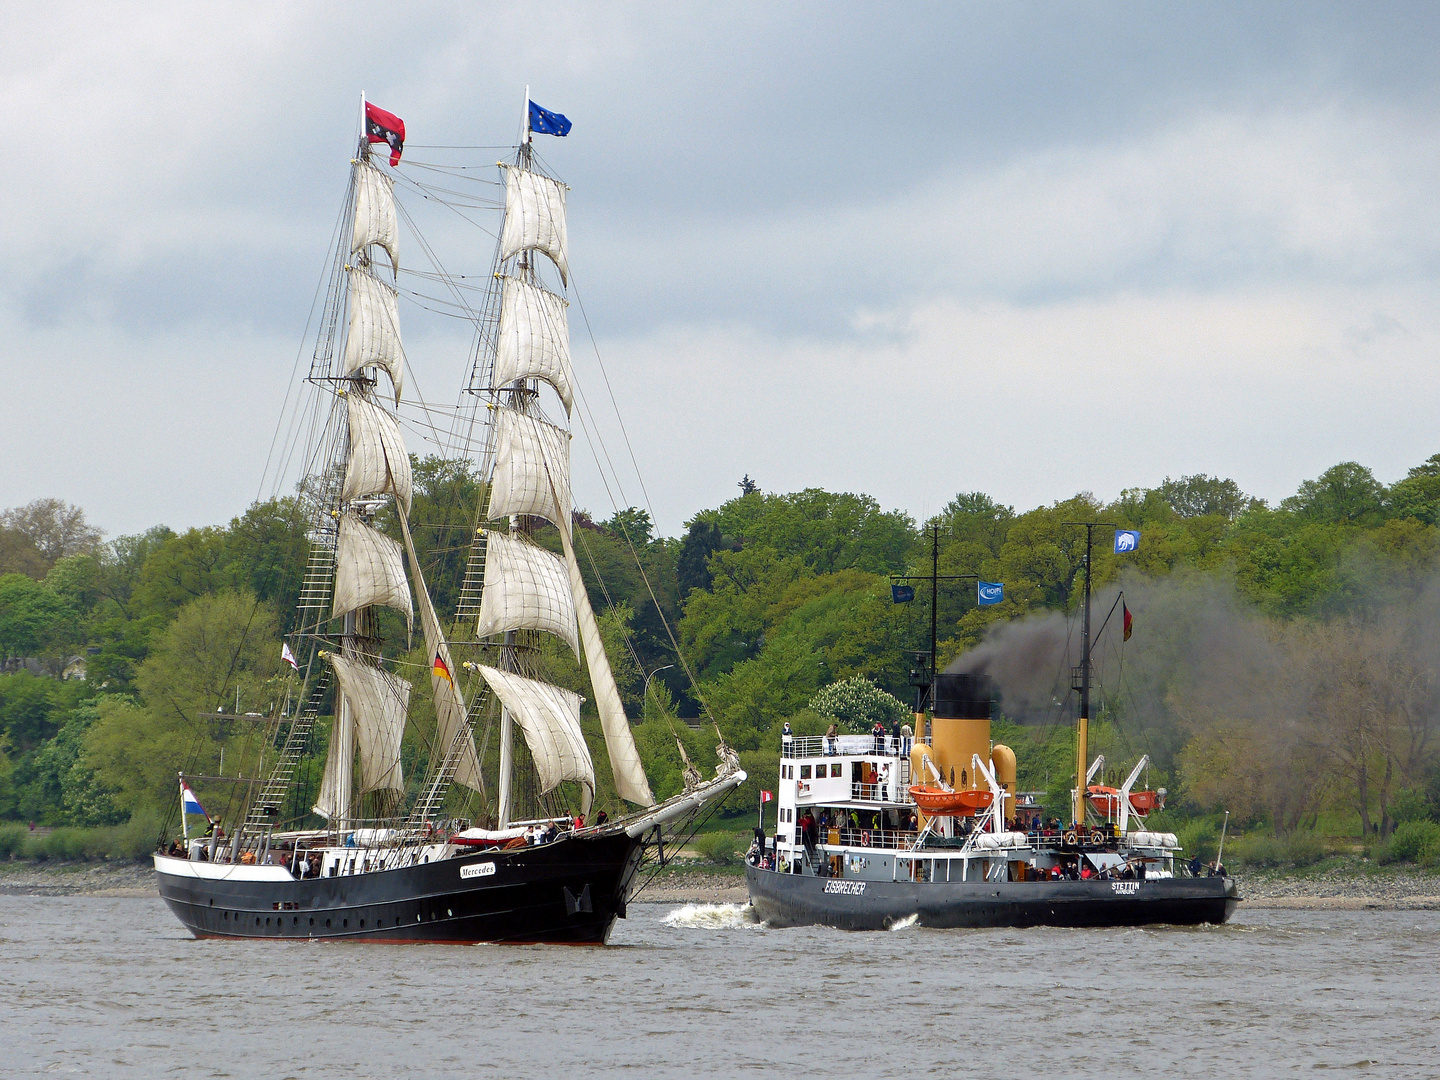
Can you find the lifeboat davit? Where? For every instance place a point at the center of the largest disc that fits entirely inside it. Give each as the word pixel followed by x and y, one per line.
pixel 1106 801
pixel 937 802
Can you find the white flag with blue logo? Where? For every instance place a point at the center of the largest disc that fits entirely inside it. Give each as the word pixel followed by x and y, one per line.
pixel 1126 540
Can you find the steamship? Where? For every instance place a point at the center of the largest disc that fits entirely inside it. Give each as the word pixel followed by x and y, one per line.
pixel 464 819
pixel 872 831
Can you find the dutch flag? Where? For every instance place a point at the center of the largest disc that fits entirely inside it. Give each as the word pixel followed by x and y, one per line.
pixel 189 803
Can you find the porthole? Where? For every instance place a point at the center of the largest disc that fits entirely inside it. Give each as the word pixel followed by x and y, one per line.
pixel 312 920
pixel 297 920
pixel 327 922
pixel 267 921
pixel 449 914
pixel 257 920
pixel 212 901
pixel 225 916
pixel 345 924
pixel 362 924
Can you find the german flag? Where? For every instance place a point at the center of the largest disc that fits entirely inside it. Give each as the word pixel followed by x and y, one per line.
pixel 440 670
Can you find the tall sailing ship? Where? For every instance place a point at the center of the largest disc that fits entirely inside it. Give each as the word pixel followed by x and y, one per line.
pixel 394 860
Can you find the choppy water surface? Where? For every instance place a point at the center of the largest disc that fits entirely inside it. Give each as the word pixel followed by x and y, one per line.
pixel 114 988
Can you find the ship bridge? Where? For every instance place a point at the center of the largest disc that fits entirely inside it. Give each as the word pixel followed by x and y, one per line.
pixel 863 773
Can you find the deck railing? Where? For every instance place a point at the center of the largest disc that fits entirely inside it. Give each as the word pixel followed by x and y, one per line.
pixel 802 746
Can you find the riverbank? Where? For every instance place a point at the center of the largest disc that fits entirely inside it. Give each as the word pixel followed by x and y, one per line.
pixel 1341 885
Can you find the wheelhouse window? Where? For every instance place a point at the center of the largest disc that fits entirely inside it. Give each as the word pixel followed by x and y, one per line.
pixel 805 772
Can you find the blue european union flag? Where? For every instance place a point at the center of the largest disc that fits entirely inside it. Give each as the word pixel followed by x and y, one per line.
pixel 1126 540
pixel 545 122
pixel 902 594
pixel 989 592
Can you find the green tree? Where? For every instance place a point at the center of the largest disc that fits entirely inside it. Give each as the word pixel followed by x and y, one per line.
pixel 1344 493
pixel 20 555
pixel 1418 495
pixel 267 549
pixel 216 644
pixel 1203 496
pixel 33 620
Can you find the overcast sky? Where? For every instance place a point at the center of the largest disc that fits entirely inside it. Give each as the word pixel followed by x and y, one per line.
pixel 910 251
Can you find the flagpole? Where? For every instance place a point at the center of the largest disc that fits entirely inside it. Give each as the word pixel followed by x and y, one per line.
pixel 184 825
pixel 526 137
pixel 362 114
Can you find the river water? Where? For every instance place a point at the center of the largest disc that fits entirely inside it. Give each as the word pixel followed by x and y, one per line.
pixel 110 987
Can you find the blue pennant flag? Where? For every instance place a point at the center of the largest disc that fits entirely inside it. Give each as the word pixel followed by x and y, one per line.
pixel 902 594
pixel 989 592
pixel 545 122
pixel 1126 540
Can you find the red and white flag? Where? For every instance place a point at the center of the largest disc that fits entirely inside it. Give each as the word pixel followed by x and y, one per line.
pixel 767 796
pixel 287 655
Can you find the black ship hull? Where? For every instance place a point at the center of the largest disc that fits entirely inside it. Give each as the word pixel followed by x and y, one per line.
pixel 567 892
pixel 855 904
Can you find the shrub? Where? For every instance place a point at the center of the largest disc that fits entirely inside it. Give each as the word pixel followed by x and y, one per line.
pixel 1410 805
pixel 1303 849
pixel 717 848
pixel 1198 838
pixel 1416 841
pixel 1259 850
pixel 12 840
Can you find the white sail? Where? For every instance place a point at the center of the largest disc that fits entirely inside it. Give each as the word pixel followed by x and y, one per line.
pixel 630 782
pixel 526 588
pixel 379 702
pixel 550 719
pixel 378 461
pixel 374 212
pixel 374 328
pixel 532 469
pixel 449 704
pixel 333 802
pixel 534 339
pixel 369 569
pixel 535 218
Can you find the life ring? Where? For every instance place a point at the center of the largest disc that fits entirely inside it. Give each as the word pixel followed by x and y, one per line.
pixel 1072 838
pixel 1097 837
pixel 865 838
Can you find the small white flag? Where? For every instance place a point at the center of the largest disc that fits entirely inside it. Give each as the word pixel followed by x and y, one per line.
pixel 287 655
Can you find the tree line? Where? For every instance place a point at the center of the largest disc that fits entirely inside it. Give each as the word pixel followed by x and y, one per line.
pixel 1281 665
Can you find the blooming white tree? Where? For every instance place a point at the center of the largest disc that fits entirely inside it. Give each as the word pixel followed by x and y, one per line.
pixel 857 703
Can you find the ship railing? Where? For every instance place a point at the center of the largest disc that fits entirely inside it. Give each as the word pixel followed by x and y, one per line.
pixel 809 746
pixel 869 838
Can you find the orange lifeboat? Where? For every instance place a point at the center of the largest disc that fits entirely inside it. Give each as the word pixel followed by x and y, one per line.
pixel 1106 801
pixel 937 802
pixel 1143 802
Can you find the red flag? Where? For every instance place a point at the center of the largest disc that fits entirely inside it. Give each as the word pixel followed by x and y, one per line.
pixel 381 126
pixel 766 796
pixel 1129 623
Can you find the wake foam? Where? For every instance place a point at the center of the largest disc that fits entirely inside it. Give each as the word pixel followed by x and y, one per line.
pixel 905 923
pixel 712 917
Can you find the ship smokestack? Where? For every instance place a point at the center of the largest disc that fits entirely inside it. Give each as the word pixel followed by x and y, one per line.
pixel 963 697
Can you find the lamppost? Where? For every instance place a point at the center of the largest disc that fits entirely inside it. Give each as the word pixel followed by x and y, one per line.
pixel 645 693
